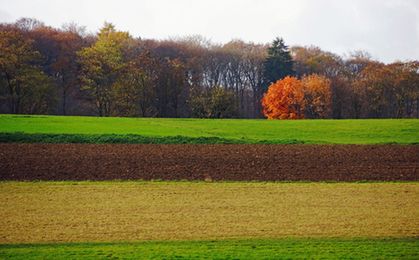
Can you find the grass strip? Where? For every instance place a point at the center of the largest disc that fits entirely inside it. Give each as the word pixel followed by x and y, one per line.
pixel 197 131
pixel 295 248
pixel 20 137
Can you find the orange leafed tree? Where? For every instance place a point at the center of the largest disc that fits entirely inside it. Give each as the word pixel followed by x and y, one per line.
pixel 284 99
pixel 317 96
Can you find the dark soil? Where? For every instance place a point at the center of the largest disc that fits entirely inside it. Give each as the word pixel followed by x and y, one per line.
pixel 209 162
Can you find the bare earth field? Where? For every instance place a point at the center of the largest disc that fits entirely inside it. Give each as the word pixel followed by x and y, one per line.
pixel 209 162
pixel 137 211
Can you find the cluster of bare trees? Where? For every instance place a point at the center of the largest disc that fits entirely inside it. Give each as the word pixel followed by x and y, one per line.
pixel 46 70
pixel 362 87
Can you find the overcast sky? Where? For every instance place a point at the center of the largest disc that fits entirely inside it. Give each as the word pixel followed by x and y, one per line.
pixel 387 29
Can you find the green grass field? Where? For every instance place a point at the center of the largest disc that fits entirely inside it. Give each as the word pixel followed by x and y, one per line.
pixel 70 129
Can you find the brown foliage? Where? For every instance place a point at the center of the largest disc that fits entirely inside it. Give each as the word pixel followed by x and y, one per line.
pixel 317 96
pixel 24 87
pixel 388 90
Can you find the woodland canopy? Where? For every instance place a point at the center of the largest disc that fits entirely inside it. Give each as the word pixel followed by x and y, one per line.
pixel 65 71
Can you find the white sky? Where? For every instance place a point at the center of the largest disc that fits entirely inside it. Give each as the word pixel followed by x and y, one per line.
pixel 387 29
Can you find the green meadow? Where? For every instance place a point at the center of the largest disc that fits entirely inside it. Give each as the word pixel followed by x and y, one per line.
pixel 74 129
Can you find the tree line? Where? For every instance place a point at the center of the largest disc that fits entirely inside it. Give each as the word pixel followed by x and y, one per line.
pixel 66 71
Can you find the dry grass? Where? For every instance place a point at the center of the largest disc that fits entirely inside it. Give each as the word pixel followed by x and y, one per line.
pixel 114 211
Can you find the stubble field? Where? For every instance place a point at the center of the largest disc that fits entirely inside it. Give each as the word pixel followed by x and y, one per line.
pixel 214 220
pixel 135 211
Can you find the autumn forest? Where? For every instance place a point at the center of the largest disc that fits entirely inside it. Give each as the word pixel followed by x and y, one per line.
pixel 66 71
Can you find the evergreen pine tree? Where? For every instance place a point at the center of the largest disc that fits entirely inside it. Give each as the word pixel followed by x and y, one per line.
pixel 279 63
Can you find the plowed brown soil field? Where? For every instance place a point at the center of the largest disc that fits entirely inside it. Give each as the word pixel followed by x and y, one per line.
pixel 209 162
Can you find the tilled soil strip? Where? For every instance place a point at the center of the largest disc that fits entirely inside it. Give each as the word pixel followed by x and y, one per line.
pixel 209 162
